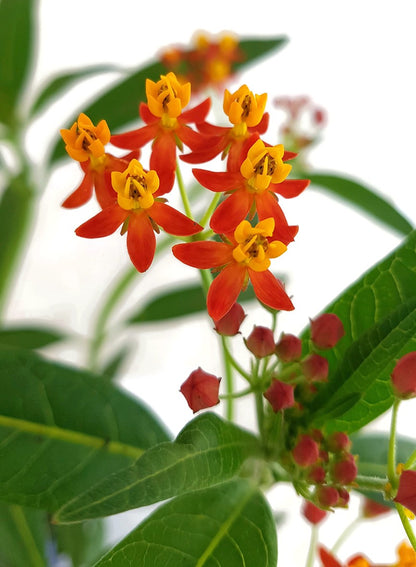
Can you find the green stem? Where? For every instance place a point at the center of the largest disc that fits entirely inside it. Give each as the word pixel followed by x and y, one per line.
pixel 312 546
pixel 345 534
pixel 373 483
pixel 183 193
pixel 406 524
pixel 391 459
pixel 237 394
pixel 235 364
pixel 411 461
pixel 210 209
pixel 229 381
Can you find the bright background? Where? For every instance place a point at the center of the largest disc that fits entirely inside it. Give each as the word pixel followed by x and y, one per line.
pixel 355 59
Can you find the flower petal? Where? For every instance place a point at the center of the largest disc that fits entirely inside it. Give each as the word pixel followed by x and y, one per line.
pixel 268 206
pixel 231 212
pixel 104 223
pixel 198 113
pixel 163 160
pixel 218 181
pixel 328 560
pixel 224 290
pixel 269 290
pixel 141 241
pixel 173 221
pixel 136 138
pixel 82 194
pixel 104 191
pixel 289 188
pixel 214 146
pixel 204 254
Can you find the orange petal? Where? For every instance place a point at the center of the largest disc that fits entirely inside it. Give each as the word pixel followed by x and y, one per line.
pixel 224 290
pixel 172 221
pixel 328 560
pixel 204 254
pixel 136 138
pixel 141 241
pixel 218 180
pixel 163 161
pixel 268 206
pixel 82 194
pixel 289 188
pixel 231 212
pixel 104 223
pixel 269 290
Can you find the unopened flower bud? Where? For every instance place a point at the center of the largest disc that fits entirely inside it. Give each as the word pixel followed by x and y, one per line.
pixel 306 451
pixel 260 342
pixel 201 390
pixel 280 395
pixel 406 494
pixel 345 470
pixel 371 508
pixel 315 368
pixel 317 474
pixel 326 330
pixel 312 513
pixel 289 348
pixel 403 376
pixel 343 497
pixel 327 496
pixel 229 325
pixel 338 442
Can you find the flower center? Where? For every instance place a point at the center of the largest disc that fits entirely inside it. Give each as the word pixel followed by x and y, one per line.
pixel 135 186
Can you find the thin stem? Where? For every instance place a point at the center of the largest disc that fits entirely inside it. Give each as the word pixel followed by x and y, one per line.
pixel 237 394
pixel 210 209
pixel 406 524
pixel 346 533
pixel 183 193
pixel 391 459
pixel 410 461
pixel 236 365
pixel 310 559
pixel 372 483
pixel 229 381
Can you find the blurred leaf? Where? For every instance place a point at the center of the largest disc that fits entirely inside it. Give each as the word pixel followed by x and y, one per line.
pixel 363 198
pixel 63 430
pixel 187 300
pixel 83 543
pixel 365 372
pixel 229 525
pixel 206 452
pixel 16 208
pixel 119 104
pixel 16 49
pixel 23 536
pixel 56 85
pixel 114 365
pixel 29 337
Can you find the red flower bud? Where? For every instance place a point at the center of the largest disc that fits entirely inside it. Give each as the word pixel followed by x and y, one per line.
pixel 260 341
pixel 371 508
pixel 406 494
pixel 229 325
pixel 280 395
pixel 338 442
pixel 306 451
pixel 201 390
pixel 326 330
pixel 315 368
pixel 317 474
pixel 345 470
pixel 404 376
pixel 289 348
pixel 343 497
pixel 312 513
pixel 327 496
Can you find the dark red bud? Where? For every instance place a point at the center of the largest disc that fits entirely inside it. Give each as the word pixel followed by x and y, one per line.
pixel 406 494
pixel 345 470
pixel 371 508
pixel 403 376
pixel 327 496
pixel 312 513
pixel 317 474
pixel 315 368
pixel 326 330
pixel 229 325
pixel 280 395
pixel 260 342
pixel 201 390
pixel 289 348
pixel 306 451
pixel 338 441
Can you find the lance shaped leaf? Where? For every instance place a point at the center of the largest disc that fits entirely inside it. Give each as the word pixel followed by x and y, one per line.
pixel 63 429
pixel 229 525
pixel 207 451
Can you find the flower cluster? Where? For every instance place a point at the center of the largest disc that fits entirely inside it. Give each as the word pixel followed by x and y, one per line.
pixel 406 557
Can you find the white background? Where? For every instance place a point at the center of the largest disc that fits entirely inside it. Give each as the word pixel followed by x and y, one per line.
pixel 355 59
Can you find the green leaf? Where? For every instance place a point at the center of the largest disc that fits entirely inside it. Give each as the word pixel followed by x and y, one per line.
pixel 116 362
pixel 62 82
pixel 119 104
pixel 29 337
pixel 229 525
pixel 365 372
pixel 206 452
pixel 176 303
pixel 16 49
pixel 23 535
pixel 63 430
pixel 83 543
pixel 16 211
pixel 381 291
pixel 362 197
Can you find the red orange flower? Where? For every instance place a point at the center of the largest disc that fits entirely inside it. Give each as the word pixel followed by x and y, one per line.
pixel 262 173
pixel 245 256
pixel 167 125
pixel 405 554
pixel 140 213
pixel 86 143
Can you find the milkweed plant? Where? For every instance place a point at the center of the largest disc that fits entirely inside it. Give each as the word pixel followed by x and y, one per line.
pixel 171 176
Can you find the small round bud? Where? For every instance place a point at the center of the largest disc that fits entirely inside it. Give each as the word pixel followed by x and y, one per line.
pixel 327 496
pixel 260 341
pixel 345 470
pixel 317 474
pixel 280 395
pixel 201 390
pixel 338 442
pixel 312 513
pixel 403 376
pixel 229 325
pixel 289 348
pixel 315 368
pixel 306 451
pixel 326 330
